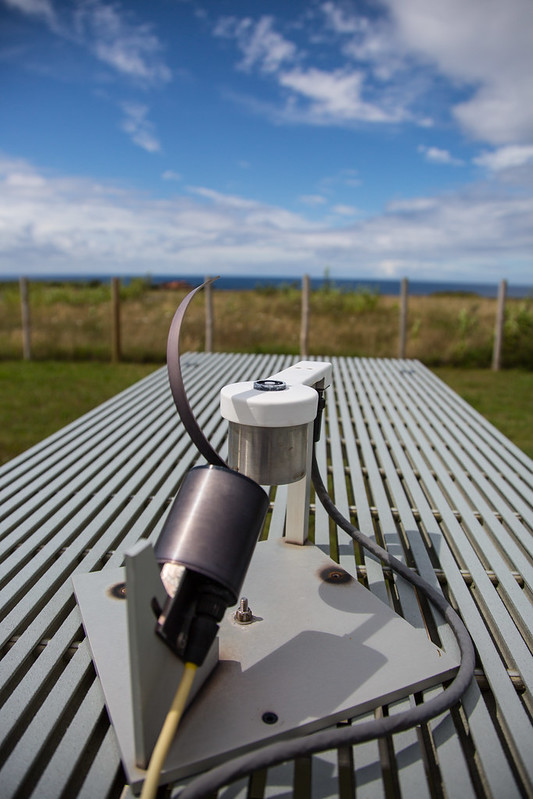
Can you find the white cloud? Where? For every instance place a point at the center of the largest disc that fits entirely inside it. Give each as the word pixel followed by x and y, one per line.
pixel 412 205
pixel 52 223
pixel 508 157
pixel 259 43
pixel 334 97
pixel 169 174
pixel 34 8
pixel 486 46
pixel 371 41
pixel 139 128
pixel 130 48
pixel 438 156
pixel 345 210
pixel 316 96
pixel 388 64
pixel 313 199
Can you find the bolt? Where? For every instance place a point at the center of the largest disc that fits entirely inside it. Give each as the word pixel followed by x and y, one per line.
pixel 243 614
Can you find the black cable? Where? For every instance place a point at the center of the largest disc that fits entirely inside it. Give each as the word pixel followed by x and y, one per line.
pixel 273 754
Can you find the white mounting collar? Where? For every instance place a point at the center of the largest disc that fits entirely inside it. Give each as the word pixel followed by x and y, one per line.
pixel 296 404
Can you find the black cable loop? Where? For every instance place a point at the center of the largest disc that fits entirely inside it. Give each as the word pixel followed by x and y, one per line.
pixel 273 754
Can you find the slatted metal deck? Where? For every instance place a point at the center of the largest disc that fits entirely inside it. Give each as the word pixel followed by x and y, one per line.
pixel 412 463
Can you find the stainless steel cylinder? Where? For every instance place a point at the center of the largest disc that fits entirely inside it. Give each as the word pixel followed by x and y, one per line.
pixel 268 455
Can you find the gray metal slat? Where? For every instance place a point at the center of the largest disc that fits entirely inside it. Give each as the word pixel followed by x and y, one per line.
pixel 393 544
pixel 345 546
pixel 409 771
pixel 357 480
pixel 515 595
pixel 65 759
pixel 33 743
pixel 451 759
pixel 279 781
pixel 497 676
pixel 495 762
pixel 106 510
pixel 103 521
pixel 277 520
pixel 143 514
pixel 385 444
pixel 104 770
pixel 325 775
pixel 161 411
pixel 506 500
pixel 19 700
pixel 58 523
pixel 409 754
pixel 507 453
pixel 385 440
pixel 237 790
pixel 375 578
pixel 81 465
pixel 53 609
pixel 41 453
pixel 472 482
pixel 94 433
pixel 321 536
pixel 118 419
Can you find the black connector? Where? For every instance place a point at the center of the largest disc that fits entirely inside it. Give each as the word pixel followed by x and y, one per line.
pixel 189 621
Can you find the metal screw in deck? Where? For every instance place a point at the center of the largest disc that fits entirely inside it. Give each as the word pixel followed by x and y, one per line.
pixel 243 614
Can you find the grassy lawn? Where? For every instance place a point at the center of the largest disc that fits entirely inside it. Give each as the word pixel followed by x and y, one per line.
pixel 38 398
pixel 504 398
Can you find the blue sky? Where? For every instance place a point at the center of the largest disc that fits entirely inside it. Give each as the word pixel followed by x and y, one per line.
pixel 385 138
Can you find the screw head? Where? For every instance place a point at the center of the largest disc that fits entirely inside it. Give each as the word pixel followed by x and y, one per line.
pixel 243 614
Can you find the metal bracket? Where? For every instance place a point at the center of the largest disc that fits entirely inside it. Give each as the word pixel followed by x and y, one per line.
pixel 321 649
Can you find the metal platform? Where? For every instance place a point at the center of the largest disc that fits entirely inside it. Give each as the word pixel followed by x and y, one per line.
pixel 414 465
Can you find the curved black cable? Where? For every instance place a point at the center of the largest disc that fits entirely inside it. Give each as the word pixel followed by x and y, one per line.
pixel 273 754
pixel 177 388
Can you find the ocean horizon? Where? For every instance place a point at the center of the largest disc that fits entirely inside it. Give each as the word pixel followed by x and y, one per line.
pixel 387 286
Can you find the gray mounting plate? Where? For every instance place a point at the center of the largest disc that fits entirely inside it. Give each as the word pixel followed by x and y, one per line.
pixel 321 649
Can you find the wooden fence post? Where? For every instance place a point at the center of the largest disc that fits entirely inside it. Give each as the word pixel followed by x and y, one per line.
pixel 115 320
pixel 498 330
pixel 404 293
pixel 209 321
pixel 304 328
pixel 25 318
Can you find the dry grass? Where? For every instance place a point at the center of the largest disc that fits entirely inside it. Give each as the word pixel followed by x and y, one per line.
pixel 75 324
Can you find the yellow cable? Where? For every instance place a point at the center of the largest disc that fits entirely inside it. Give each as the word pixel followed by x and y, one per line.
pixel 168 730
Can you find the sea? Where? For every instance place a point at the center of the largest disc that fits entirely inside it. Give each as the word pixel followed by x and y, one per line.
pixel 242 282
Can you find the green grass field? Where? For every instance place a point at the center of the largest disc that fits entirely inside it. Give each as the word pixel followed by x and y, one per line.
pixel 38 398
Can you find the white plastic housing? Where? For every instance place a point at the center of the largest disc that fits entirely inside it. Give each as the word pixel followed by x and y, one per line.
pixel 297 404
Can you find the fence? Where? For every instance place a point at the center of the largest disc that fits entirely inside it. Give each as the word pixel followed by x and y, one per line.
pixel 306 321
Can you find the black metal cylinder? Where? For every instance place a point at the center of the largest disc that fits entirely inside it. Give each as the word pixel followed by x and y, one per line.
pixel 214 524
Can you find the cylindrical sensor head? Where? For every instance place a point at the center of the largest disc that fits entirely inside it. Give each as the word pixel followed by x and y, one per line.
pixel 269 455
pixel 213 525
pixel 268 432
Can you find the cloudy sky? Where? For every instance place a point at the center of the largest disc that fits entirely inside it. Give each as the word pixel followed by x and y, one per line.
pixel 377 138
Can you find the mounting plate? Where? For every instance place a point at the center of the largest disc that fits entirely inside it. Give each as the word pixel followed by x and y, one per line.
pixel 321 649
